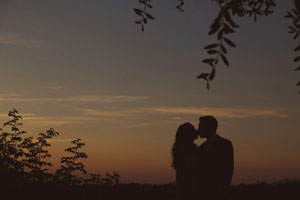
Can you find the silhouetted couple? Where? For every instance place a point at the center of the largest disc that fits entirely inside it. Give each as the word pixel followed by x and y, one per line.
pixel 203 172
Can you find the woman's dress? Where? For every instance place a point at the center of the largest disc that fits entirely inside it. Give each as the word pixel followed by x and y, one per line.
pixel 186 174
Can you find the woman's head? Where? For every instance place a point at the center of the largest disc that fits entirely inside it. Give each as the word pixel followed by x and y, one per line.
pixel 184 143
pixel 186 134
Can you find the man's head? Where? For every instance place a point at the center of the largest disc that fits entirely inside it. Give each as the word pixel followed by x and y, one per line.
pixel 207 126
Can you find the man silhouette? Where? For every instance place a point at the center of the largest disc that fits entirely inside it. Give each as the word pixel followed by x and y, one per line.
pixel 215 160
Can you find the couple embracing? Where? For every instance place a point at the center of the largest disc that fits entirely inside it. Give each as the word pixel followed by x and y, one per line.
pixel 203 172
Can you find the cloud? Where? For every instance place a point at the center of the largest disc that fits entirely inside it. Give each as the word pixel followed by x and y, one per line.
pixel 150 123
pixel 122 113
pixel 60 140
pixel 9 95
pixel 55 121
pixel 27 115
pixel 221 112
pixel 46 122
pixel 83 98
pixel 138 125
pixel 57 140
pixel 30 119
pixel 134 118
pixel 17 40
pixel 55 87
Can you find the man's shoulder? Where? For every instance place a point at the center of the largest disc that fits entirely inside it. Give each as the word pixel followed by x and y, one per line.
pixel 224 141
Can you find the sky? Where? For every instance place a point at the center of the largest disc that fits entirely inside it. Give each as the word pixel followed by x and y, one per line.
pixel 85 69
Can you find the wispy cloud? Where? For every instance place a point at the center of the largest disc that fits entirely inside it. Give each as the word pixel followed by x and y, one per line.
pixel 9 95
pixel 60 140
pixel 138 125
pixel 18 40
pixel 57 140
pixel 83 98
pixel 111 113
pixel 55 87
pixel 30 119
pixel 133 118
pixel 27 115
pixel 221 112
pixel 150 123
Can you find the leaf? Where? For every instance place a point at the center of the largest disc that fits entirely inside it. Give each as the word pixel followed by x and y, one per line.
pixel 223 49
pixel 214 28
pixel 288 15
pixel 227 30
pixel 203 76
pixel 212 74
pixel 296 36
pixel 209 61
pixel 224 59
pixel 212 51
pixel 295 11
pixel 216 61
pixel 149 16
pixel 220 34
pixel 207 85
pixel 149 6
pixel 219 17
pixel 297 5
pixel 292 28
pixel 297 48
pixel 297 59
pixel 229 42
pixel 138 11
pixel 297 69
pixel 211 46
pixel 228 19
pixel 179 6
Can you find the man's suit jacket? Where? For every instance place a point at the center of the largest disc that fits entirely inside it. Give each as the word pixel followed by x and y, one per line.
pixel 216 163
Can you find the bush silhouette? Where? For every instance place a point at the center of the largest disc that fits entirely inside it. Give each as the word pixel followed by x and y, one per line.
pixel 24 159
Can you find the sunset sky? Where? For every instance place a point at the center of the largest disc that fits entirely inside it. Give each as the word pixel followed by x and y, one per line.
pixel 84 68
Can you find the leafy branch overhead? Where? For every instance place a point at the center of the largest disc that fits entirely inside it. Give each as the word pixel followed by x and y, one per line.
pixel 180 5
pixel 295 29
pixel 143 14
pixel 225 25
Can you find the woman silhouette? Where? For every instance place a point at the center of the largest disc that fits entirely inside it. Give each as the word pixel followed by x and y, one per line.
pixel 184 161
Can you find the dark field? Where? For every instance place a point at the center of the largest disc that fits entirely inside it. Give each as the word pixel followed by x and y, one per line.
pixel 289 191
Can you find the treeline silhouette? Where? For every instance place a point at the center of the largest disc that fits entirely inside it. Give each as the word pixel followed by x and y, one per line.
pixel 24 174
